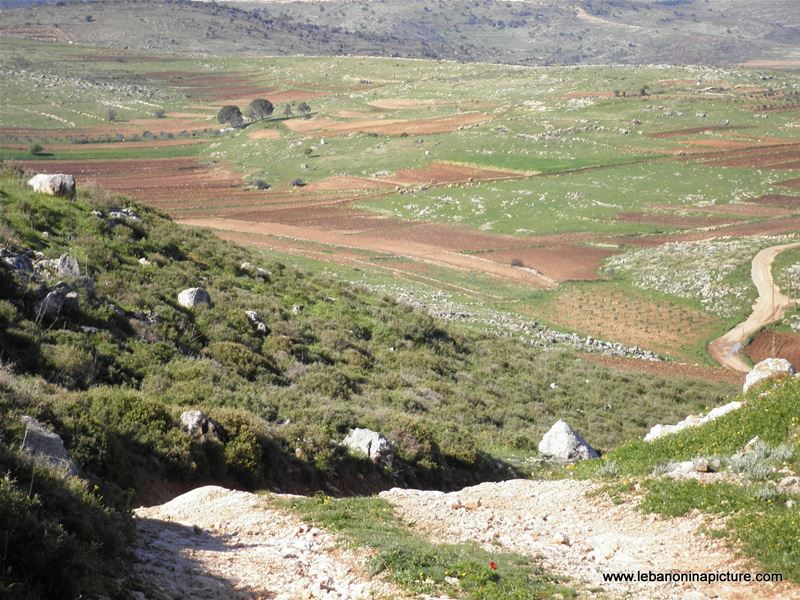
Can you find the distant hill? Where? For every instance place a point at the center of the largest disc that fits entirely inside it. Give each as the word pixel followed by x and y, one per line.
pixel 544 32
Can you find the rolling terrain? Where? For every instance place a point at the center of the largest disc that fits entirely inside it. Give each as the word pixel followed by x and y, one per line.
pixel 530 33
pixel 317 344
pixel 563 199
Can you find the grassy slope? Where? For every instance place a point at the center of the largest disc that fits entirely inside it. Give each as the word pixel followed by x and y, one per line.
pixel 762 522
pixel 447 398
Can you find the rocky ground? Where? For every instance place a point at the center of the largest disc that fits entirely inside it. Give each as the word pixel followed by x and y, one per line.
pixel 213 543
pixel 581 534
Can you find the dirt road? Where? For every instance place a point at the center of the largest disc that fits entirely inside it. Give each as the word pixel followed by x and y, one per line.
pixel 218 544
pixel 580 533
pixel 769 307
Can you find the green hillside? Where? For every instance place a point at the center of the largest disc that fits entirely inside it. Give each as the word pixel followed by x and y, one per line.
pixel 112 371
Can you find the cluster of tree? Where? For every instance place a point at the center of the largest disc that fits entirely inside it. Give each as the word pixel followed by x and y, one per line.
pixel 258 110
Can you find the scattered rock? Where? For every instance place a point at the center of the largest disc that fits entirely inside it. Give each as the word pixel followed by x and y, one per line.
pixel 659 430
pixel 563 443
pixel 701 465
pixel 144 262
pixel 46 447
pixel 58 184
pixel 769 368
pixel 123 214
pixel 256 323
pixel 191 297
pixel 372 444
pixel 472 504
pixel 16 261
pixel 561 538
pixel 196 424
pixel 789 485
pixel 64 266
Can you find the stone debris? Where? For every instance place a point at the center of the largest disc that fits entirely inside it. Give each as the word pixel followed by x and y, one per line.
pixel 659 430
pixel 577 531
pixel 218 544
pixel 439 304
pixel 563 443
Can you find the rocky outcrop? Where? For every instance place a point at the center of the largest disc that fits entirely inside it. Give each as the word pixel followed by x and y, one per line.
pixel 659 430
pixel 16 261
pixel 46 447
pixel 563 443
pixel 197 424
pixel 372 444
pixel 64 266
pixel 191 297
pixel 769 368
pixel 58 184
pixel 58 300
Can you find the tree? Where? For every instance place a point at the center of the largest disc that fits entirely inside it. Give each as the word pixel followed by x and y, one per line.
pixel 261 108
pixel 287 110
pixel 111 114
pixel 36 149
pixel 230 115
pixel 304 108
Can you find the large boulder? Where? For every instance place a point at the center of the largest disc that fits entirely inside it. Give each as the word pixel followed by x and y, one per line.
pixel 769 368
pixel 58 184
pixel 370 443
pixel 191 297
pixel 197 424
pixel 58 300
pixel 46 447
pixel 563 443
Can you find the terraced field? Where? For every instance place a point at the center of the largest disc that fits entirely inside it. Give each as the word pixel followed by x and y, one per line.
pixel 623 203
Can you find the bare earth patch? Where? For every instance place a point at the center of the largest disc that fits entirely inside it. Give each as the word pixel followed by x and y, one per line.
pixel 532 517
pixel 219 544
pixel 767 344
pixel 264 134
pixel 629 317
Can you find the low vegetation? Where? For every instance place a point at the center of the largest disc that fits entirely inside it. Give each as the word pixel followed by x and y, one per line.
pixel 112 372
pixel 761 519
pixel 462 570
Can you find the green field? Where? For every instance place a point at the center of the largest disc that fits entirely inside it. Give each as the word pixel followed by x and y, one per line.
pixel 580 139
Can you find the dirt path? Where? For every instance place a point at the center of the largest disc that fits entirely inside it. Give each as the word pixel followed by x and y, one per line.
pixel 218 544
pixel 769 307
pixel 528 516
